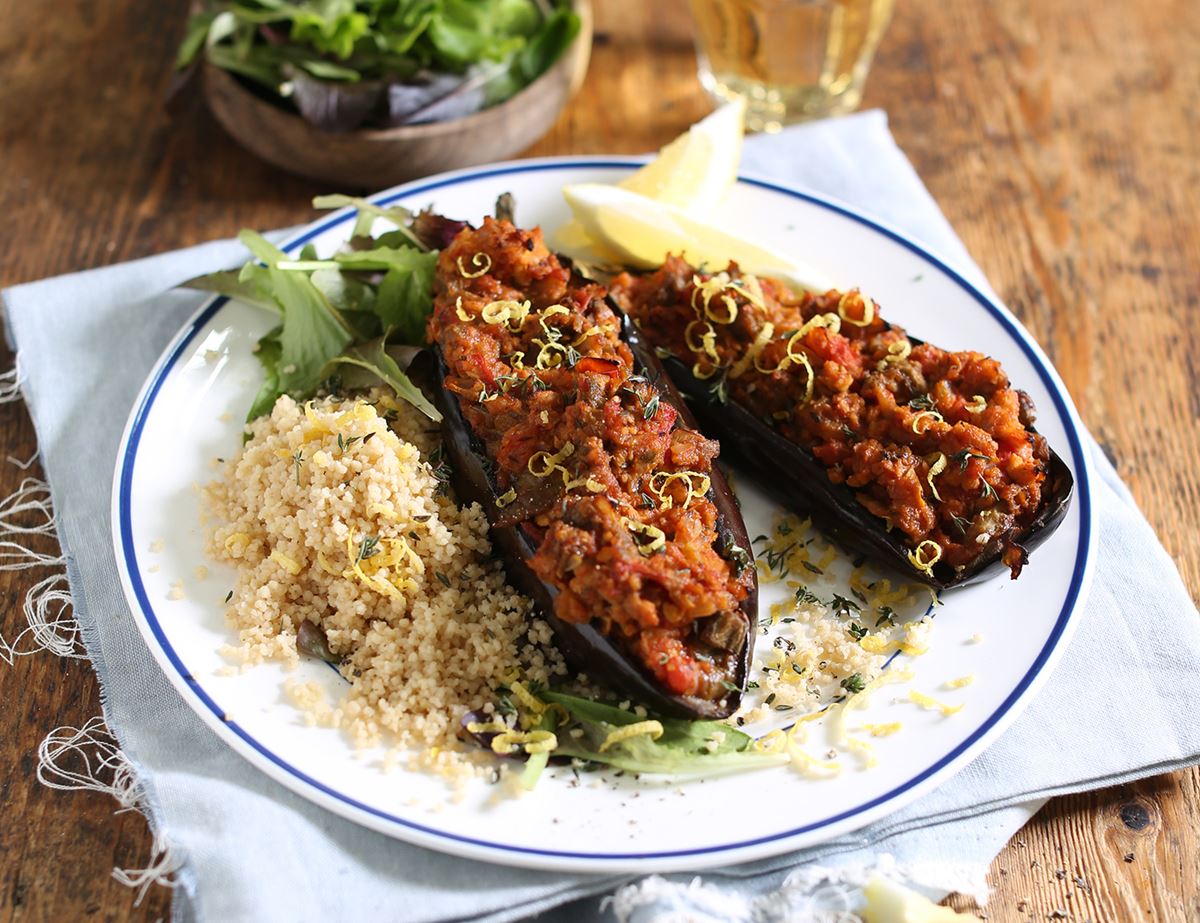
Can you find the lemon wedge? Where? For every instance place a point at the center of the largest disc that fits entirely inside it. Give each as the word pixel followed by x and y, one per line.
pixel 694 171
pixel 643 232
pixel 888 902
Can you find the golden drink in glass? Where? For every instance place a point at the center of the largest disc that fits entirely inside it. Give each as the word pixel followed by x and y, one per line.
pixel 790 59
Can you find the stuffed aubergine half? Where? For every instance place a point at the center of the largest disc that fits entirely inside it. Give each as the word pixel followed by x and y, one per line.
pixel 921 458
pixel 602 497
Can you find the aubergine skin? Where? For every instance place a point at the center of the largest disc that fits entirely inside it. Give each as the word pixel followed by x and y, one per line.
pixel 795 479
pixel 586 649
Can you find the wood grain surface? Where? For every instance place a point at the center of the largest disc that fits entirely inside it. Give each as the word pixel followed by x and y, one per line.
pixel 1061 139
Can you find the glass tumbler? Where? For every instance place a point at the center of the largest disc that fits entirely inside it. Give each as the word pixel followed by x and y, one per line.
pixel 791 60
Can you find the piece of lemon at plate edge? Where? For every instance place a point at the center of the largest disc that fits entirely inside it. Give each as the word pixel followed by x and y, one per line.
pixel 693 172
pixel 642 232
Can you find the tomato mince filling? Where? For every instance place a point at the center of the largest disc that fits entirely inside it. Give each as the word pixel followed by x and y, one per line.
pixel 587 458
pixel 933 442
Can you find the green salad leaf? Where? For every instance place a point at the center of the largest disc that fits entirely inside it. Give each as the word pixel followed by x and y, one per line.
pixel 375 359
pixel 368 212
pixel 685 748
pixel 268 354
pixel 350 310
pixel 340 49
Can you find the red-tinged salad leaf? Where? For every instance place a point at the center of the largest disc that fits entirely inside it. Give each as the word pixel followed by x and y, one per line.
pixel 335 106
pixel 359 309
pixel 344 64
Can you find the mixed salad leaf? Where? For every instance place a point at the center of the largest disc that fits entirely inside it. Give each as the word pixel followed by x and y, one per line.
pixel 345 63
pixel 685 749
pixel 357 310
pixel 552 725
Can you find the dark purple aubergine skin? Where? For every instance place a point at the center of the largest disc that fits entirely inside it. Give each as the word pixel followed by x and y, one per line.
pixel 798 481
pixel 586 649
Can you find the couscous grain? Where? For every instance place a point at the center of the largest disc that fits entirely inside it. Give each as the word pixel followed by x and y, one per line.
pixel 330 515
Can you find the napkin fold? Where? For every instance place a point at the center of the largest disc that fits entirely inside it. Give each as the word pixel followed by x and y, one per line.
pixel 1116 708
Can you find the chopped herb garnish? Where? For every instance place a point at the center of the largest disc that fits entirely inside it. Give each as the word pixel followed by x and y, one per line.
pixel 964 457
pixel 719 390
pixel 987 491
pixel 887 616
pixel 810 566
pixel 735 554
pixel 842 606
pixel 783 707
pixel 770 698
pixel 344 443
pixel 857 631
pixel 651 408
pixel 730 686
pixel 298 458
pixel 797 669
pixel 961 524
pixel 367 549
pixel 805 595
pixel 777 559
pixel 440 469
pixel 442 579
pixel 854 684
pixel 229 596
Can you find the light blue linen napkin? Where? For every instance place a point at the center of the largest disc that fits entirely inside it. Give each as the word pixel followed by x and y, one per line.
pixel 1118 706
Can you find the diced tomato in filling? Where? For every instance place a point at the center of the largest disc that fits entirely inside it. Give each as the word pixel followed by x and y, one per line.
pixel 935 443
pixel 595 464
pixel 670 660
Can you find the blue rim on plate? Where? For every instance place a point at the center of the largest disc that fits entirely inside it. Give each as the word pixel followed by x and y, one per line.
pixel 127 557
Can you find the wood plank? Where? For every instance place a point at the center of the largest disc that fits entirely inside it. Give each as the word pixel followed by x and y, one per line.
pixel 1062 140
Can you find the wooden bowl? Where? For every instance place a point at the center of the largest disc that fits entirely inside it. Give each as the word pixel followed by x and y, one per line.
pixel 379 158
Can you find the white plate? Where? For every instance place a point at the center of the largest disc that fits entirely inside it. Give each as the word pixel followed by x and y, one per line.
pixel 189 412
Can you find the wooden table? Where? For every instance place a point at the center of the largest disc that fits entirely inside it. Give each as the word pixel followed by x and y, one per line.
pixel 1061 139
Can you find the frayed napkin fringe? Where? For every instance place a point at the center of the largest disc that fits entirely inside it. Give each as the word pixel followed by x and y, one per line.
pixel 10 385
pixel 26 521
pixel 88 758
